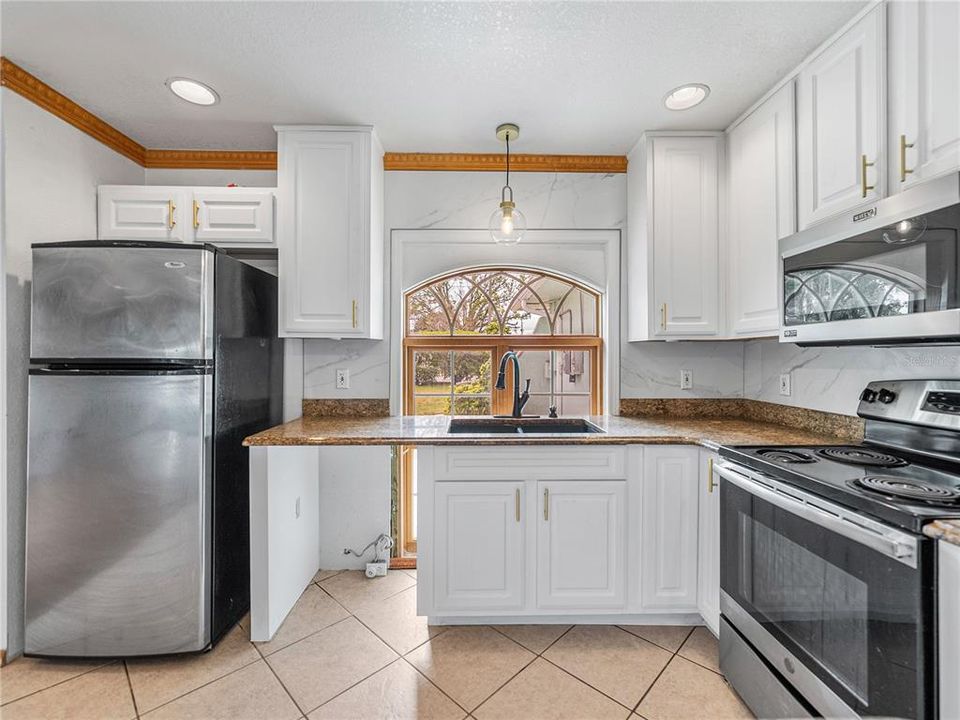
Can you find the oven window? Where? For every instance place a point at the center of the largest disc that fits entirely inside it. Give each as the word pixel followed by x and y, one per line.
pixel 908 267
pixel 821 607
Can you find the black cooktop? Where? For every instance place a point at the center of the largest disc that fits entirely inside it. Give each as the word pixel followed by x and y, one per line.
pixel 890 485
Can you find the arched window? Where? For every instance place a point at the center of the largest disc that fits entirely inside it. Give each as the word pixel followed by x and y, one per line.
pixel 457 328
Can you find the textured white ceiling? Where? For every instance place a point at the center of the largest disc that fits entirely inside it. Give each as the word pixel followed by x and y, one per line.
pixel 433 77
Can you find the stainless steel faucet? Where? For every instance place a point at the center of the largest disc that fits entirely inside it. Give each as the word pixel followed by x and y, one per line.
pixel 519 399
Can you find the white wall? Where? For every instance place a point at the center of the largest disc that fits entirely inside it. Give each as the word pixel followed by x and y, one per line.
pixel 831 378
pixel 211 178
pixel 465 200
pixel 51 173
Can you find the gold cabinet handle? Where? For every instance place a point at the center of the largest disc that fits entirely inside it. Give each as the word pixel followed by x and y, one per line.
pixel 516 503
pixel 663 316
pixel 904 171
pixel 863 176
pixel 710 482
pixel 196 214
pixel 171 209
pixel 353 312
pixel 546 503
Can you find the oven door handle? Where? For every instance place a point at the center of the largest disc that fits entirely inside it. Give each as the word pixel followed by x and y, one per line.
pixel 890 542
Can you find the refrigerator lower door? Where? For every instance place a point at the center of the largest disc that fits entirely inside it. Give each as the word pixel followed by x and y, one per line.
pixel 101 303
pixel 118 517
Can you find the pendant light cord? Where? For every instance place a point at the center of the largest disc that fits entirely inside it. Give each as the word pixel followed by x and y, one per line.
pixel 503 193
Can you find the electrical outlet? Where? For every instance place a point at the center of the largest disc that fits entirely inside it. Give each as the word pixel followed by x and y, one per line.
pixel 343 379
pixel 686 379
pixel 785 384
pixel 296 508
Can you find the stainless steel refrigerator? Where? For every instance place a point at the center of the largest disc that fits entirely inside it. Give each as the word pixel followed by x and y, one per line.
pixel 150 362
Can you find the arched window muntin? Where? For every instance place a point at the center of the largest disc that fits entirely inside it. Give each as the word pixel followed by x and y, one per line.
pixel 505 299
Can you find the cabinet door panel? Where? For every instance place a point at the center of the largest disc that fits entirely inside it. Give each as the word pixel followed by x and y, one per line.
pixel 686 234
pixel 581 546
pixel 839 120
pixel 478 546
pixel 762 202
pixel 233 217
pixel 324 232
pixel 924 62
pixel 708 540
pixel 143 213
pixel 669 529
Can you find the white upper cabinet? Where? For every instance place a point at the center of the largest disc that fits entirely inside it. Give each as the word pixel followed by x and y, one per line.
pixel 136 212
pixel 235 216
pixel 229 217
pixel 762 202
pixel 581 561
pixel 330 232
pixel 840 123
pixel 673 243
pixel 924 91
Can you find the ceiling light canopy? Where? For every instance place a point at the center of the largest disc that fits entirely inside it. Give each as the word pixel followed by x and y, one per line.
pixel 193 91
pixel 686 96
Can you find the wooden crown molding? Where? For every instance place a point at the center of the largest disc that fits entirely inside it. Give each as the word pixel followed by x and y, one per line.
pixel 38 92
pixel 211 159
pixel 453 162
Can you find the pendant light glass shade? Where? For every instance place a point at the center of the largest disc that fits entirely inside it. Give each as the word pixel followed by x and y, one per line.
pixel 507 224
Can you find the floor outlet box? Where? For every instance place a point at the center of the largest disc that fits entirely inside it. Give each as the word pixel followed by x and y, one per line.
pixel 376 569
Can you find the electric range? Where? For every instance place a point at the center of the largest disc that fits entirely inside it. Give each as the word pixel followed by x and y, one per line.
pixel 828 585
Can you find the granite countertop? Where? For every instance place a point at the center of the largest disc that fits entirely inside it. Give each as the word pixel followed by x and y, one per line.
pixel 432 430
pixel 946 530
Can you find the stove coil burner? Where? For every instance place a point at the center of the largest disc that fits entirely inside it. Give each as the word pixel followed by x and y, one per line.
pixel 862 456
pixel 786 457
pixel 907 489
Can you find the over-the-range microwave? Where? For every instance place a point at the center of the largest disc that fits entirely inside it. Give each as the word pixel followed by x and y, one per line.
pixel 885 274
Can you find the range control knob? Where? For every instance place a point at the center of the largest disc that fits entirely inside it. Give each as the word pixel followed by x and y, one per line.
pixel 886 396
pixel 868 395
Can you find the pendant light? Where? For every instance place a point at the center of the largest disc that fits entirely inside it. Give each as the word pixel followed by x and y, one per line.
pixel 507 224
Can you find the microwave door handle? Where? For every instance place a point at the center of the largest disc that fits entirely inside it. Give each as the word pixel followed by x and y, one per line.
pixel 891 547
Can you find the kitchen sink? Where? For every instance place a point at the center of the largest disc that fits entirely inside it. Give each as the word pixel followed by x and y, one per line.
pixel 521 426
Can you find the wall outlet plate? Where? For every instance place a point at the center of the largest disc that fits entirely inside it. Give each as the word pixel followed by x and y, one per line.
pixel 786 385
pixel 343 379
pixel 686 379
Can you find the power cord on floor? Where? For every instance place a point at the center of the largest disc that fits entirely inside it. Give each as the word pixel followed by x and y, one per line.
pixel 382 544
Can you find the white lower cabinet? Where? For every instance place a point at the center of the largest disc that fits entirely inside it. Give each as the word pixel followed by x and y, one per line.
pixel 708 552
pixel 668 537
pixel 574 532
pixel 581 558
pixel 478 544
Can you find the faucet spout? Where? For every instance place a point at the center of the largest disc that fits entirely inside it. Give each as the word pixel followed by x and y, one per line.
pixel 518 400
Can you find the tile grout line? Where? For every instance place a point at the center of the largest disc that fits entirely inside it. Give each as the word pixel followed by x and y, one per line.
pixel 512 677
pixel 133 696
pixel 273 672
pixel 662 671
pixel 48 687
pixel 203 685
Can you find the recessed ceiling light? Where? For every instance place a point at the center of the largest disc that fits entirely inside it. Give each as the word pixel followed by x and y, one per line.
pixel 686 96
pixel 193 91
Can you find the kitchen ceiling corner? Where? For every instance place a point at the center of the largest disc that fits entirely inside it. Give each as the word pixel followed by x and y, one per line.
pixel 579 81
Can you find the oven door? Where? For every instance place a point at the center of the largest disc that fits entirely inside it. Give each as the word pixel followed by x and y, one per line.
pixel 840 605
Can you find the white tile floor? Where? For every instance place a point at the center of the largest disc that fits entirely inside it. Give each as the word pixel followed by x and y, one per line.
pixel 355 648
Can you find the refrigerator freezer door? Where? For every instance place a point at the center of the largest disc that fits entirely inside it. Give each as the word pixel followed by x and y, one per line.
pixel 97 302
pixel 118 512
